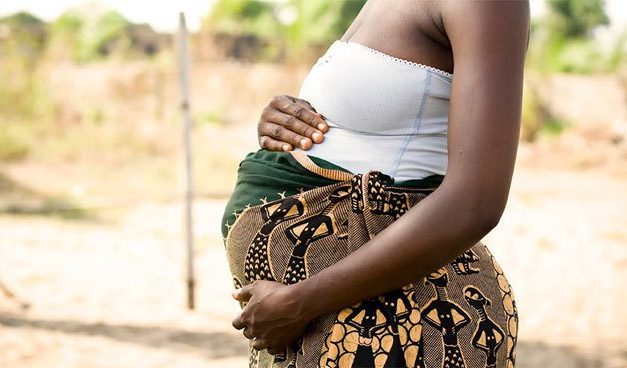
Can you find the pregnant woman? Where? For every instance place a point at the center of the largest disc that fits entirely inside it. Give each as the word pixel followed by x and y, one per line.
pixel 354 236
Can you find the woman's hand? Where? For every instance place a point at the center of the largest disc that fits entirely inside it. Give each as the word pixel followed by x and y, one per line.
pixel 273 317
pixel 289 122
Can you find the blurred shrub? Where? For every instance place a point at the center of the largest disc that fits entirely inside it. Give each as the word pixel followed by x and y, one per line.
pixel 87 38
pixel 22 35
pixel 562 41
pixel 84 36
pixel 23 97
pixel 293 25
pixel 244 17
pixel 28 110
pixel 22 94
pixel 537 118
pixel 22 43
pixel 317 22
pixel 13 145
pixel 531 116
pixel 26 107
pixel 575 19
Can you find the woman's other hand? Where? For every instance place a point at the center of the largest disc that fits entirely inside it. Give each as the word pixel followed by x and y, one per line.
pixel 273 318
pixel 289 122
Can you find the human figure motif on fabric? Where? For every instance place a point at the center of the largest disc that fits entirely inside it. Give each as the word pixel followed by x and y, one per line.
pixel 304 232
pixel 257 266
pixel 377 322
pixel 447 317
pixel 369 334
pixel 488 336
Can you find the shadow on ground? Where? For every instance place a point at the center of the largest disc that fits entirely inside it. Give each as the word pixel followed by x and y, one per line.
pixel 540 354
pixel 216 345
pixel 212 345
pixel 19 199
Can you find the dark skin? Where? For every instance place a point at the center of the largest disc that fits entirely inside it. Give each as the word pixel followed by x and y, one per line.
pixel 484 42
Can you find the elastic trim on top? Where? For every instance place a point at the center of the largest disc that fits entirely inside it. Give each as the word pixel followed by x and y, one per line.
pixel 399 60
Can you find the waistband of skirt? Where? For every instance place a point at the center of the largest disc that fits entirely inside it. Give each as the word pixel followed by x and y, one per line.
pixel 331 171
pixel 265 176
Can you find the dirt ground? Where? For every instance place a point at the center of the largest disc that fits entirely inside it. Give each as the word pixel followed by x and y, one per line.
pixel 110 293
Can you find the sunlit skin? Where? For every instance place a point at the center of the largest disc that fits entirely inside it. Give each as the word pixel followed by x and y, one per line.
pixel 484 44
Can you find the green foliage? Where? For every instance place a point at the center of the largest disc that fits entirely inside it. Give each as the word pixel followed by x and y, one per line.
pixel 13 145
pixel 209 117
pixel 570 19
pixel 244 17
pixel 563 40
pixel 22 36
pixel 537 119
pixel 575 56
pixel 107 29
pixel 319 22
pixel 553 127
pixel 295 24
pixel 87 38
pixel 533 113
pixel 23 97
pixel 617 56
pixel 69 24
pixel 24 103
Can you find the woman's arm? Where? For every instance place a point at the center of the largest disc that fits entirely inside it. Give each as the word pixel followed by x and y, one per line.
pixel 488 39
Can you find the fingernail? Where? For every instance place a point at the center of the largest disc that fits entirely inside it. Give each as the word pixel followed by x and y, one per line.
pixel 235 293
pixel 285 147
pixel 321 126
pixel 304 142
pixel 316 136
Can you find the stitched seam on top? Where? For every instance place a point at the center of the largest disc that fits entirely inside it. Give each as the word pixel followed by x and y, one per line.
pixel 417 123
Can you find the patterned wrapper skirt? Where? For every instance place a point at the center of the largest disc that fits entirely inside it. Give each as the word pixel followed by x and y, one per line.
pixel 292 215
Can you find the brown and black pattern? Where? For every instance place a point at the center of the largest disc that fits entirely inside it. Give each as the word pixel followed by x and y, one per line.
pixel 509 306
pixel 488 335
pixel 257 266
pixel 447 317
pixel 304 232
pixel 462 315
pixel 462 264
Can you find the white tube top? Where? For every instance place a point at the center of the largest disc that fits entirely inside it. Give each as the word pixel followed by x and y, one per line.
pixel 384 113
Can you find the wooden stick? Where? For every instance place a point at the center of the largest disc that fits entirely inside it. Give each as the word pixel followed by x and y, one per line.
pixel 187 145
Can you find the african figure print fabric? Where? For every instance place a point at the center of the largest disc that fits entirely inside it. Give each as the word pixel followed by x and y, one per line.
pixel 292 215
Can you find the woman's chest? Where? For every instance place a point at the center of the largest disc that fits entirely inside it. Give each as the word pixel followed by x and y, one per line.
pixel 407 29
pixel 364 90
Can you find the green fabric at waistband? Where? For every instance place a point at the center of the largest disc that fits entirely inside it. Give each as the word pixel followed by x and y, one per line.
pixel 265 176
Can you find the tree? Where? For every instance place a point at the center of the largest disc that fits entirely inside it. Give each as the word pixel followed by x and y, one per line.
pixel 319 22
pixel 562 41
pixel 244 17
pixel 23 35
pixel 295 24
pixel 575 19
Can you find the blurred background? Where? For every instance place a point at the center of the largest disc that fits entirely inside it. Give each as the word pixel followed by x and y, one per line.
pixel 91 217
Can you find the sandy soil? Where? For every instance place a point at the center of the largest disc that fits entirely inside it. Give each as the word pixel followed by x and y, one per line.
pixel 109 293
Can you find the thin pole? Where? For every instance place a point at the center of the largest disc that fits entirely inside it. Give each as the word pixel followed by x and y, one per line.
pixel 187 146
